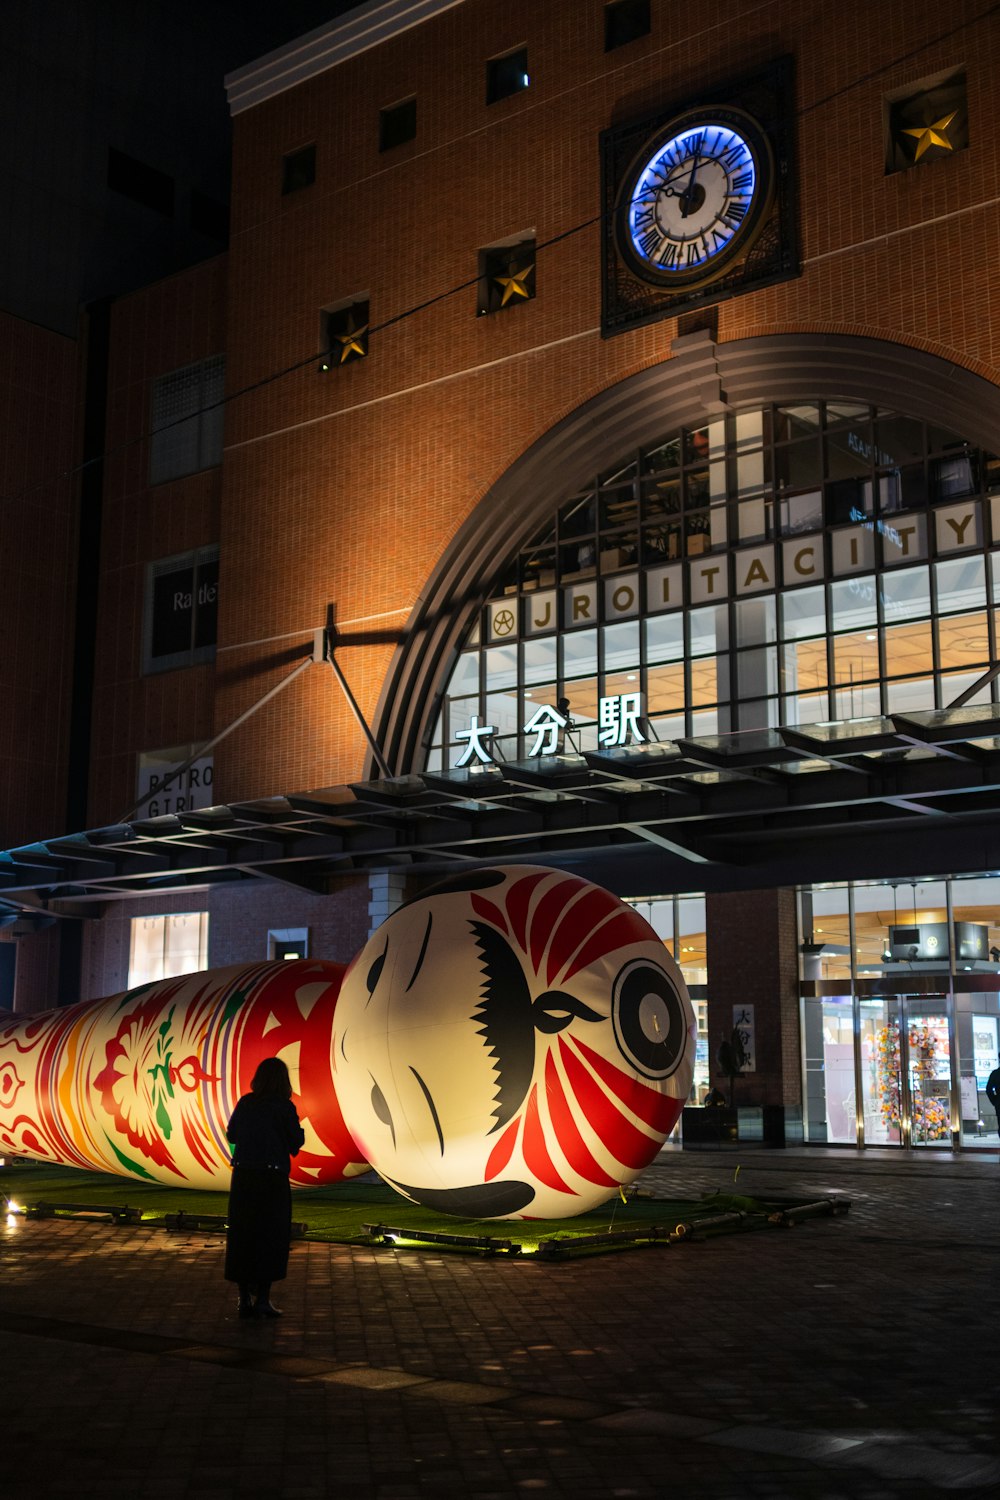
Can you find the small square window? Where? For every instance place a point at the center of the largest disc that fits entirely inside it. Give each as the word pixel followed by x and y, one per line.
pixel 506 75
pixel 298 169
pixel 163 947
pixel 926 123
pixel 181 610
pixel 625 21
pixel 506 275
pixel 344 333
pixel 284 943
pixel 397 124
pixel 186 420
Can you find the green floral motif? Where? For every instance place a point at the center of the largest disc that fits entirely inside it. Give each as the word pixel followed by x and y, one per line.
pixel 162 1088
pixel 134 1167
pixel 233 1004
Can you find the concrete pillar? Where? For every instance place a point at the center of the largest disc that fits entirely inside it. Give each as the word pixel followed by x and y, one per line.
pixel 387 892
pixel 753 959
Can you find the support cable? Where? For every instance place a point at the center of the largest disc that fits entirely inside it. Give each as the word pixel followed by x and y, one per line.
pixel 224 733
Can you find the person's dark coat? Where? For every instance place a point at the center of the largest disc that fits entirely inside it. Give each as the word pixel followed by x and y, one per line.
pixel 265 1133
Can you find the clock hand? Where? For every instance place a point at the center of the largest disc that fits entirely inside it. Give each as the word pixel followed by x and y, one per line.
pixel 659 190
pixel 687 197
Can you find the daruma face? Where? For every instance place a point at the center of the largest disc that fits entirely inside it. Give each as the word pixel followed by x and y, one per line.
pixel 515 1044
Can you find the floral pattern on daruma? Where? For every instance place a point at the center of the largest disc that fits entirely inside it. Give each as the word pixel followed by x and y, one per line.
pixel 143 1083
pixel 135 1084
pixel 10 1085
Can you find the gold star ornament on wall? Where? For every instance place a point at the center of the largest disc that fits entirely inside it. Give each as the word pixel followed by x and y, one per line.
pixel 506 275
pixel 345 334
pixel 935 134
pixel 927 123
pixel 353 342
pixel 515 283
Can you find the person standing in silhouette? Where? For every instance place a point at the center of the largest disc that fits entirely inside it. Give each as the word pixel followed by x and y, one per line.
pixel 265 1132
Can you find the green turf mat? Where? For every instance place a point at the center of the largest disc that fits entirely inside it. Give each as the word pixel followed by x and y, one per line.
pixel 342 1213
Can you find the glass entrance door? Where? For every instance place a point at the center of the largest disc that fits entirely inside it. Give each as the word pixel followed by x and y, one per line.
pixel 927 1048
pixel 906 1070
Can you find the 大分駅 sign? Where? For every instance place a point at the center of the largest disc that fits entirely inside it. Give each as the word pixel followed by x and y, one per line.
pixel 617 724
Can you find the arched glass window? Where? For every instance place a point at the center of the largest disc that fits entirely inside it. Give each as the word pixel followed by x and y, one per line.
pixel 792 564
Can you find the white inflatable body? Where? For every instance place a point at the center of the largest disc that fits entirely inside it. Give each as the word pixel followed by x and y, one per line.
pixel 516 1043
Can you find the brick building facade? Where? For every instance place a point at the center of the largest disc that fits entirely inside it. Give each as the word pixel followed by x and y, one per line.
pixel 389 492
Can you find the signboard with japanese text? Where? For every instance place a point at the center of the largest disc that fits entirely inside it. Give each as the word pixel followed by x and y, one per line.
pixel 619 723
pixel 743 1025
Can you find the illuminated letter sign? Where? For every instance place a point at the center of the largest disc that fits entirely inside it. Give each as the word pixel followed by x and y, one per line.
pixel 547 725
pixel 958 528
pixel 663 588
pixel 580 603
pixel 540 614
pixel 853 550
pixel 503 620
pixel 708 581
pixel 754 570
pixel 476 734
pixel 621 597
pixel 618 720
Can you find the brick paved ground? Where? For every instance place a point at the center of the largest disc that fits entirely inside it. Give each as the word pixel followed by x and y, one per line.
pixel 846 1359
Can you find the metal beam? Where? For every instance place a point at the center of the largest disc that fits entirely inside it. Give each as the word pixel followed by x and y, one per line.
pixel 652 837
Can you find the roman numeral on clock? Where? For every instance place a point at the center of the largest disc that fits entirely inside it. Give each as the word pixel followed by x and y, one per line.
pixel 743 183
pixel 734 215
pixel 649 241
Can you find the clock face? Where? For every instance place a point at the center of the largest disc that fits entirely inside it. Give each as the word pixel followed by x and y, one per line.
pixel 695 198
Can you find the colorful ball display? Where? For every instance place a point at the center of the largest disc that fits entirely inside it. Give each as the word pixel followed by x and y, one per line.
pixel 516 1043
pixel 144 1083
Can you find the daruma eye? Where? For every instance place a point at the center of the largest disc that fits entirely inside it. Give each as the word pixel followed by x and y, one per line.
pixel 381 1111
pixel 648 1018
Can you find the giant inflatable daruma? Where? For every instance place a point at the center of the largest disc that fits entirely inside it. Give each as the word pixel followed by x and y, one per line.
pixel 516 1043
pixel 144 1083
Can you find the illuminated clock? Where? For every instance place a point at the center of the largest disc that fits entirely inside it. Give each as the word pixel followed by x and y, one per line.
pixel 695 197
pixel 698 201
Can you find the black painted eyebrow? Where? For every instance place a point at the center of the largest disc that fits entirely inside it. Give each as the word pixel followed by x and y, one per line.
pixel 423 951
pixel 375 973
pixel 430 1106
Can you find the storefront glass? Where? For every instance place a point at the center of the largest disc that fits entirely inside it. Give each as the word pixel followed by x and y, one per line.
pixel 828 1038
pixel 881 1073
pixel 976 913
pixel 977 1036
pixel 900 1011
